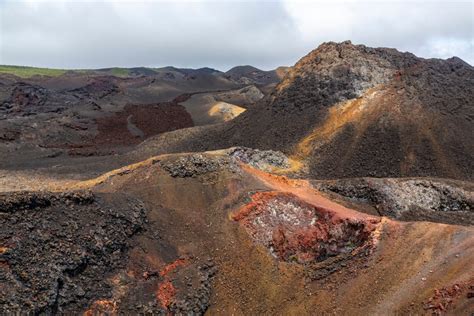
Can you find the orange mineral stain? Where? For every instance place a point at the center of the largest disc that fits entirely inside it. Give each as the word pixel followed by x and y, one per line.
pixel 166 293
pixel 172 266
pixel 102 307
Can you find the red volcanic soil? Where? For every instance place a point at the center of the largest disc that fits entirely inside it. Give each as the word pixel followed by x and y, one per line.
pixel 294 230
pixel 166 291
pixel 150 119
pixel 135 123
pixel 448 296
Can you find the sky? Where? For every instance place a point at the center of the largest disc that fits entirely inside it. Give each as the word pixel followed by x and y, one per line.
pixel 223 33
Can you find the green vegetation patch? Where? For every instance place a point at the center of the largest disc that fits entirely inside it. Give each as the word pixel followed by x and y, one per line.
pixel 26 72
pixel 119 72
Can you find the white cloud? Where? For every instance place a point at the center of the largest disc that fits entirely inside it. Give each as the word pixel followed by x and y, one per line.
pixel 427 28
pixel 221 34
pixel 447 47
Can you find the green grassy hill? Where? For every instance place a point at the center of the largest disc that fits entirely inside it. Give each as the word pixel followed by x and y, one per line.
pixel 26 72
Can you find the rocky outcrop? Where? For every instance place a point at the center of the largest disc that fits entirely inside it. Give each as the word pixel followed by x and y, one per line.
pixel 434 200
pixel 296 231
pixel 57 248
pixel 97 88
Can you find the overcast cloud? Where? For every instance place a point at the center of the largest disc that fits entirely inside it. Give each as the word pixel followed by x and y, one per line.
pixel 222 34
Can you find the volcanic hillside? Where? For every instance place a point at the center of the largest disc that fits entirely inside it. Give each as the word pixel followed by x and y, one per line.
pixel 54 113
pixel 348 110
pixel 214 233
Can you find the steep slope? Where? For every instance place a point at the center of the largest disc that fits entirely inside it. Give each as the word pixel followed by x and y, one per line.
pixel 212 232
pixel 351 111
pixel 358 111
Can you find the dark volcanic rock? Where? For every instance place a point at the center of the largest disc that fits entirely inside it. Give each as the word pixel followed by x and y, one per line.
pixel 337 72
pixel 260 159
pixel 57 249
pixel 196 301
pixel 194 165
pixel 25 97
pixel 433 200
pixel 98 88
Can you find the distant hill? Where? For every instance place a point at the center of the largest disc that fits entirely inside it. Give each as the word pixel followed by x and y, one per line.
pixel 249 74
pixel 26 72
pixel 241 74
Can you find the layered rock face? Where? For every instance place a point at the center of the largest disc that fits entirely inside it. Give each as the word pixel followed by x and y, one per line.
pixel 338 72
pixel 378 112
